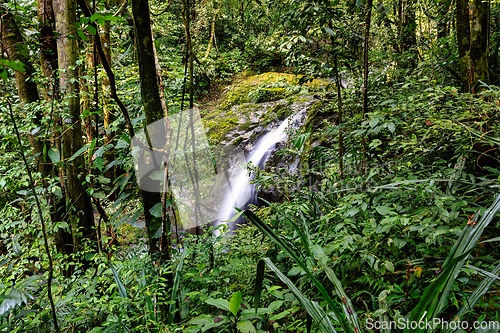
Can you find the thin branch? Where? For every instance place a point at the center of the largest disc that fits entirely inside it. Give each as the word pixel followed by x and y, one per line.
pixel 40 215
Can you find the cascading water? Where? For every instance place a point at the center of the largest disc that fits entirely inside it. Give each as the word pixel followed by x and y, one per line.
pixel 241 192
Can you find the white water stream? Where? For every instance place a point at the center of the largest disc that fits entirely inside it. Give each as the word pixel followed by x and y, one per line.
pixel 239 194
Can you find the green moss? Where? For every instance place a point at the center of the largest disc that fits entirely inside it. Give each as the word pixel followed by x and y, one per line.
pixel 247 93
pixel 312 115
pixel 237 141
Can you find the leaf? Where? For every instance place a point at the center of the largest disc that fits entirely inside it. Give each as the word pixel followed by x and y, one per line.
pixel 374 122
pixel 53 154
pixel 235 303
pixel 312 308
pixel 383 210
pixel 330 31
pixel 103 179
pixel 110 17
pixel 78 152
pixel 389 266
pixel 15 65
pixel 156 210
pixel 218 302
pixel 121 288
pixel 176 284
pixel 81 35
pixel 91 29
pixel 95 17
pixel 245 326
pixel 259 279
pixel 347 306
pixel 266 230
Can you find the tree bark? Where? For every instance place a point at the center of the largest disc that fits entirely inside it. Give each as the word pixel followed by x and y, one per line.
pixel 463 40
pixel 368 18
pixel 479 46
pixel 109 117
pixel 16 49
pixel 80 211
pixel 407 33
pixel 150 100
pixel 48 55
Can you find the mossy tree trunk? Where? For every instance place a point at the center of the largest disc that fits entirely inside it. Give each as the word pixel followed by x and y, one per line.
pixel 150 100
pixel 79 206
pixel 479 45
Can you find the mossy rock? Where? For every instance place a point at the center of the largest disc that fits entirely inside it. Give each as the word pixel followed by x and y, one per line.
pixel 265 88
pixel 256 102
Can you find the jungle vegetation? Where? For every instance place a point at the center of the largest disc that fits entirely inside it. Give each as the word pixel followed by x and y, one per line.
pixel 389 216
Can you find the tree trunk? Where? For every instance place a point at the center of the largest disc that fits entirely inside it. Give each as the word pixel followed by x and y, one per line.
pixel 14 45
pixel 368 20
pixel 463 40
pixel 151 102
pixel 88 104
pixel 48 55
pixel 479 46
pixel 442 20
pixel 407 33
pixel 109 117
pixel 80 210
pixel 16 49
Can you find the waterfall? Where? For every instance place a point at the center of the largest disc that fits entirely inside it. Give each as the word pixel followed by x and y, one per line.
pixel 240 192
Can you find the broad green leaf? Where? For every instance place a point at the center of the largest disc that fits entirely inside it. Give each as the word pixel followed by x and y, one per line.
pixel 383 210
pixel 218 302
pixel 235 303
pixel 53 154
pixel 95 17
pixel 78 152
pixel 245 326
pixel 156 210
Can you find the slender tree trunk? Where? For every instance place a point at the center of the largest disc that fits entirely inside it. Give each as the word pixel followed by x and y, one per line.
pixel 463 40
pixel 442 20
pixel 479 46
pixel 28 93
pixel 212 33
pixel 407 33
pixel 364 110
pixel 88 104
pixel 49 64
pixel 14 45
pixel 109 117
pixel 191 56
pixel 340 116
pixel 80 209
pixel 48 55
